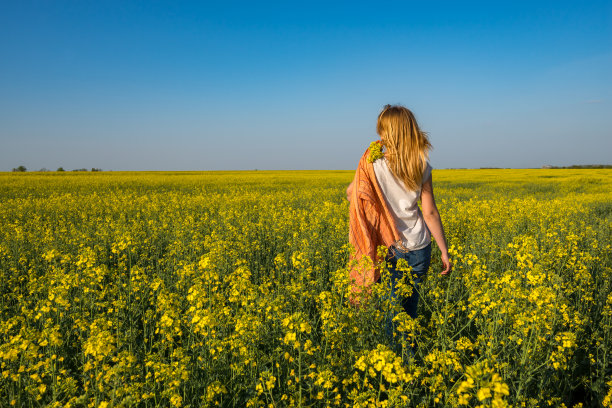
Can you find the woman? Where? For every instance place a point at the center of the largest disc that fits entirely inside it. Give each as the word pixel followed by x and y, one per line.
pixel 384 210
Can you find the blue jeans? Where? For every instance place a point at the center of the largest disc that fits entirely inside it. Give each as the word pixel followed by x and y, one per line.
pixel 419 260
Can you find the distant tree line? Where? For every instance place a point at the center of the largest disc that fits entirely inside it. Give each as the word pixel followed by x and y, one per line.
pixel 23 169
pixel 581 166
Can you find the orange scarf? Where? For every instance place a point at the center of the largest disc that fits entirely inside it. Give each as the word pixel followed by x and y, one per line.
pixel 371 225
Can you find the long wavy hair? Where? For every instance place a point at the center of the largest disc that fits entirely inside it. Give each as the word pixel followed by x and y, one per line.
pixel 407 146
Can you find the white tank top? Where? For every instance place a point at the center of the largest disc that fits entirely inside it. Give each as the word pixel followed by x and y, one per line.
pixel 404 206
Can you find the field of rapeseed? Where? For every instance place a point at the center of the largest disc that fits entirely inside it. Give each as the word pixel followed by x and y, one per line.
pixel 230 289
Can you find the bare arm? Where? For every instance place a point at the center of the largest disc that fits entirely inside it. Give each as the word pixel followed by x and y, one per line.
pixel 349 191
pixel 434 223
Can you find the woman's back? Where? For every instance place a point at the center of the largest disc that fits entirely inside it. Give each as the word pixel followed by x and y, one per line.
pixel 403 204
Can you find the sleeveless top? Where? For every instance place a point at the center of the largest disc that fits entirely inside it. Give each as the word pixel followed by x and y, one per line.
pixel 403 205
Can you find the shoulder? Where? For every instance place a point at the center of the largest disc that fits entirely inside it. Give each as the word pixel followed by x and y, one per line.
pixel 371 154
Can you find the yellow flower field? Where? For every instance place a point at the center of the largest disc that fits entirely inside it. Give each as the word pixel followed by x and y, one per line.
pixel 230 289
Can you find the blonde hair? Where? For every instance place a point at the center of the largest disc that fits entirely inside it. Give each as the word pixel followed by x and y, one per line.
pixel 407 147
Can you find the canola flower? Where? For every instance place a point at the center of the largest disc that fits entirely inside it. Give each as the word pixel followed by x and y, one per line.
pixel 375 151
pixel 230 289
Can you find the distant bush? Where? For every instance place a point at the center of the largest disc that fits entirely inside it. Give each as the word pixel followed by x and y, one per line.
pixel 60 169
pixel 20 168
pixel 95 169
pixel 79 170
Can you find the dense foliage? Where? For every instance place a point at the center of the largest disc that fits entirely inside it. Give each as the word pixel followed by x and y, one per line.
pixel 229 289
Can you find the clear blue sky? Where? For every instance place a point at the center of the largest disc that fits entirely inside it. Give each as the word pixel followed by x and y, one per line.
pixel 220 85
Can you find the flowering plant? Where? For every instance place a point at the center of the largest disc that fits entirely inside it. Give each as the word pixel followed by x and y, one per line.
pixel 375 151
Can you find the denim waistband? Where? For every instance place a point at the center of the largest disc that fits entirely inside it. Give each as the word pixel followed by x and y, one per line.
pixel 402 249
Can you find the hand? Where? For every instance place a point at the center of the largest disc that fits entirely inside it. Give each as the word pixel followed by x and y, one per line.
pixel 447 264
